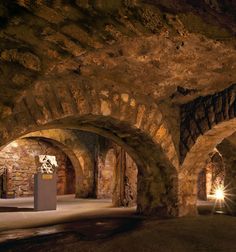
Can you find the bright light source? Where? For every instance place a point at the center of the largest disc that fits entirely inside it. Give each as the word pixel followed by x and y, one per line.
pixel 219 194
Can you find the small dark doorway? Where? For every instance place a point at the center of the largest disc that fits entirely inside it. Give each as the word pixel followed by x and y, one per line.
pixel 66 178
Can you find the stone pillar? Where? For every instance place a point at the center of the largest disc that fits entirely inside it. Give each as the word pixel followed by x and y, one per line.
pixel 201 184
pixel 130 180
pixel 125 184
pixel 151 202
pixel 209 169
pixel 119 174
pixel 187 195
pixel 156 185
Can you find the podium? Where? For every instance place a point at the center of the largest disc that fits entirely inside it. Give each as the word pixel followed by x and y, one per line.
pixel 45 192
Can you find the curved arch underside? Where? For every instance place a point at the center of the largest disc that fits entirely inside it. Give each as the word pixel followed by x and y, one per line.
pixel 78 153
pixel 135 126
pixel 125 77
pixel 206 122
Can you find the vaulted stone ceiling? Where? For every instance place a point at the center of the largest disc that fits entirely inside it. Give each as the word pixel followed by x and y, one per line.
pixel 170 50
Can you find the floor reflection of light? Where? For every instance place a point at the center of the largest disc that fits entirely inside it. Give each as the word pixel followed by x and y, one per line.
pixel 219 196
pixel 223 199
pixel 100 223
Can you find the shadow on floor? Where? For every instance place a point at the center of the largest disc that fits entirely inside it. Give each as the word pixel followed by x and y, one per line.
pixel 210 208
pixel 205 210
pixel 16 209
pixel 83 230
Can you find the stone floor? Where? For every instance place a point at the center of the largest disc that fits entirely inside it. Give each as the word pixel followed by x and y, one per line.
pixel 19 213
pixel 93 225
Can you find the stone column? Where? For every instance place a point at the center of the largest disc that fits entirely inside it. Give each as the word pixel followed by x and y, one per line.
pixel 119 174
pixel 125 188
pixel 201 184
pixel 209 182
pixel 187 195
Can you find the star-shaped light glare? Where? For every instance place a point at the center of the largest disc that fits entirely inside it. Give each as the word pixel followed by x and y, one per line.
pixel 219 193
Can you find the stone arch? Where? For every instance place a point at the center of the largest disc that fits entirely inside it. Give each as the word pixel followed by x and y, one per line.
pixel 205 122
pixel 211 175
pixel 52 99
pixel 228 151
pixel 117 176
pixel 203 114
pixel 19 166
pixel 128 120
pixel 78 153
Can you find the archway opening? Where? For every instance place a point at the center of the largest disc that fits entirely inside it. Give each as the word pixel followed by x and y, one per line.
pixel 112 180
pixel 157 177
pixel 113 175
pixel 197 158
pixel 117 177
pixel 210 184
pixel 18 167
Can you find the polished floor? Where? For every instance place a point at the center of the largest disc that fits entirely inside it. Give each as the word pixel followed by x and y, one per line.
pixel 94 225
pixel 19 213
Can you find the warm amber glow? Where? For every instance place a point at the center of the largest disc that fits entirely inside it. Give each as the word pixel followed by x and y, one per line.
pixel 219 193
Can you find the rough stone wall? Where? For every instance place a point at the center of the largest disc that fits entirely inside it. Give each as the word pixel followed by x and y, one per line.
pixel 79 147
pixel 131 174
pixel 66 175
pixel 202 114
pixel 228 152
pixel 49 50
pixel 211 177
pixel 106 171
pixel 127 122
pixel 89 163
pixel 116 174
pixel 164 44
pixel 216 167
pixel 19 160
pixel 202 185
pixel 195 160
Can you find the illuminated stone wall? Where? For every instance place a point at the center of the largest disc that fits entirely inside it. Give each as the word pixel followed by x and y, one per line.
pixel 19 160
pixel 114 170
pixel 211 177
pixel 116 174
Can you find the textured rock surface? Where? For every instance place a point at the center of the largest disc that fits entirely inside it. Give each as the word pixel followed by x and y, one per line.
pixel 203 113
pixel 116 175
pixel 155 76
pixel 79 147
pixel 164 44
pixel 19 159
pixel 212 176
pixel 228 150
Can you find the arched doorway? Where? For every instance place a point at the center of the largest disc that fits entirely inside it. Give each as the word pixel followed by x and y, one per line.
pixel 117 177
pixel 119 117
pixel 205 123
pixel 210 182
pixel 18 166
pixel 66 178
pixel 211 176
